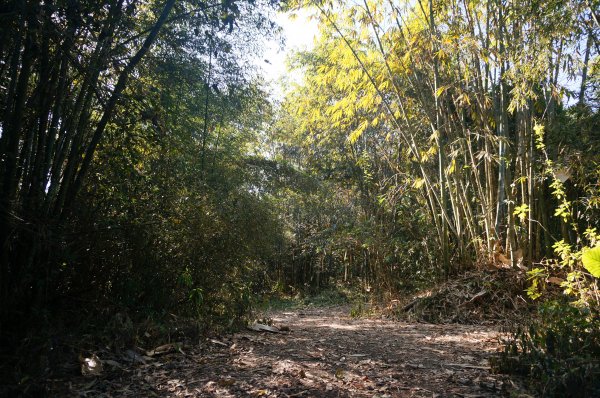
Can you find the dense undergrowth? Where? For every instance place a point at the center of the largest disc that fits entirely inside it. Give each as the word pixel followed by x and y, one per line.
pixel 150 191
pixel 557 353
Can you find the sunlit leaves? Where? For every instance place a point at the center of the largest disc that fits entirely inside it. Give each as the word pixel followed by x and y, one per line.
pixel 591 261
pixel 458 102
pixel 522 211
pixel 538 130
pixel 441 90
pixel 355 135
pixel 418 183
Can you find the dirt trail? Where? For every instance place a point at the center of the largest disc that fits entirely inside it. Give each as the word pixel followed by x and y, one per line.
pixel 325 354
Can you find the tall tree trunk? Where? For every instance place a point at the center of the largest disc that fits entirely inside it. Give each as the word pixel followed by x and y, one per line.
pixel 584 70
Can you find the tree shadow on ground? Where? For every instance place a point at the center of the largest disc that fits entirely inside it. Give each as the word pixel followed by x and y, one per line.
pixel 326 354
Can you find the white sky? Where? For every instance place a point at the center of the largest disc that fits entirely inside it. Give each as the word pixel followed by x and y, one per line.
pixel 299 33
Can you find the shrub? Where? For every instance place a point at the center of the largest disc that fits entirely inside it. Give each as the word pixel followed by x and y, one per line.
pixel 559 352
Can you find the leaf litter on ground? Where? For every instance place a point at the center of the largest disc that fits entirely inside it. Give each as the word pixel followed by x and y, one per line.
pixel 329 354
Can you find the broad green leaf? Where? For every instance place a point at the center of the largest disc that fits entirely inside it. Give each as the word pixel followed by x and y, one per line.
pixel 591 261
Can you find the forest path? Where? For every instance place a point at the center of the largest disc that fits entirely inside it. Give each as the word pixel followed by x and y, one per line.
pixel 324 354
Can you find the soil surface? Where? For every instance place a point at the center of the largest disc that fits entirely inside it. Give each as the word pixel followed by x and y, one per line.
pixel 319 353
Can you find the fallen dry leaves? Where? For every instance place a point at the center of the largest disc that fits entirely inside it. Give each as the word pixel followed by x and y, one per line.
pixel 324 353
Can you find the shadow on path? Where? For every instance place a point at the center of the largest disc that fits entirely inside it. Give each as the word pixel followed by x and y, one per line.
pixel 325 354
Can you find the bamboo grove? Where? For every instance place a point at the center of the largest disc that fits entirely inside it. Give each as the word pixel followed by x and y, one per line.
pixel 145 172
pixel 121 122
pixel 485 110
pixel 426 138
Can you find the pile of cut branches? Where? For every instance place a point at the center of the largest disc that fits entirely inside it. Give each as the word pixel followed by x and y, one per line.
pixel 482 296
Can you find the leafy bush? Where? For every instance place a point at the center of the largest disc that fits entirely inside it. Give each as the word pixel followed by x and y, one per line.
pixel 559 352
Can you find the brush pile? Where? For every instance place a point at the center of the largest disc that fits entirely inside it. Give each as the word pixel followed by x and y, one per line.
pixel 477 297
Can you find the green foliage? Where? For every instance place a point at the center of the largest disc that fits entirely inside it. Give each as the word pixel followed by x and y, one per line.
pixel 591 261
pixel 446 139
pixel 333 296
pixel 362 309
pixel 571 262
pixel 143 194
pixel 277 303
pixel 567 272
pixel 522 211
pixel 326 298
pixel 395 93
pixel 558 352
pixel 418 145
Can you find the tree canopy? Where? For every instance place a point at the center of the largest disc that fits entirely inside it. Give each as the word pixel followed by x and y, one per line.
pixel 145 170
